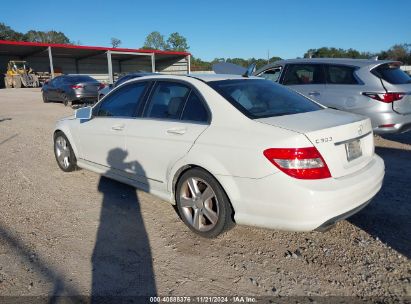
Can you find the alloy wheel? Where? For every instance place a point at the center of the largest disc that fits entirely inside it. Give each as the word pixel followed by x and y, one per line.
pixel 199 204
pixel 62 152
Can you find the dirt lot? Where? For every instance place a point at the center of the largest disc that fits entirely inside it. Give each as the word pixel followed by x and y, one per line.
pixel 80 234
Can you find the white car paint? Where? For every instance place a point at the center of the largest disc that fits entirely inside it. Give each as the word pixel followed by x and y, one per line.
pixel 231 149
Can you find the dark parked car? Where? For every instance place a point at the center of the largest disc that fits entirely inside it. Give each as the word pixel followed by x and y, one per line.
pixel 71 89
pixel 105 90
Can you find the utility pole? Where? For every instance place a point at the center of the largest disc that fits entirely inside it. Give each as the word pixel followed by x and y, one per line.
pixel 268 56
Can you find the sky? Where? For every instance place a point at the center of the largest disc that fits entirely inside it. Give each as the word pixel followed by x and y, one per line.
pixel 223 28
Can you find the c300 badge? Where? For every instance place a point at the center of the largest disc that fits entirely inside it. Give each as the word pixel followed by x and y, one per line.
pixel 324 140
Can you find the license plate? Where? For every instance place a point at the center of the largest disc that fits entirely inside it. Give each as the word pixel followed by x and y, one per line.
pixel 353 149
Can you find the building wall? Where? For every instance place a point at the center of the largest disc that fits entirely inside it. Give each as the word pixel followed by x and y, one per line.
pixel 97 67
pixel 176 66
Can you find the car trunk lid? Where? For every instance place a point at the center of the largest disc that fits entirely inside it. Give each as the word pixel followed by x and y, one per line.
pixel 344 140
pixel 88 87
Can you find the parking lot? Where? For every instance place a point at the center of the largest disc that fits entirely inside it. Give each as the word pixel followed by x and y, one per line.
pixel 80 234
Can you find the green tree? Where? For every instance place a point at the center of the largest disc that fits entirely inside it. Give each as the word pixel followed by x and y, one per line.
pixel 47 37
pixel 400 52
pixel 155 41
pixel 176 42
pixel 199 65
pixel 115 42
pixel 7 33
pixel 331 52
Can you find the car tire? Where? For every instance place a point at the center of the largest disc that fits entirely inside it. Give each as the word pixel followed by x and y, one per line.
pixel 45 99
pixel 64 153
pixel 203 204
pixel 66 100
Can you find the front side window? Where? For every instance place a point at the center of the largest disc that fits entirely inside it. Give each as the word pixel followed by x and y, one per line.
pixel 340 74
pixel 123 102
pixel 272 74
pixel 297 74
pixel 258 98
pixel 167 100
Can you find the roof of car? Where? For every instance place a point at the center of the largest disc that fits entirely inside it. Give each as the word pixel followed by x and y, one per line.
pixel 202 77
pixel 346 61
pixel 217 77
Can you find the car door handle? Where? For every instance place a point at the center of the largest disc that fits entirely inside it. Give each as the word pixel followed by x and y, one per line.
pixel 118 127
pixel 177 131
pixel 314 93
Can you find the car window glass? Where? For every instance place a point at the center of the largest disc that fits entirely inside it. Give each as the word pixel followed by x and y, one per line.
pixel 339 74
pixel 392 74
pixel 304 74
pixel 167 100
pixel 259 98
pixel 272 74
pixel 123 102
pixel 76 79
pixel 194 109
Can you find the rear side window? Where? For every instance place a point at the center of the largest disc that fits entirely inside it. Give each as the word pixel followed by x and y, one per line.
pixel 391 73
pixel 340 74
pixel 167 101
pixel 123 102
pixel 304 74
pixel 272 74
pixel 194 109
pixel 258 98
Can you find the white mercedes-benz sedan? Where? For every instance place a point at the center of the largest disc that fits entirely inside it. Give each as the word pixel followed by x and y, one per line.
pixel 227 148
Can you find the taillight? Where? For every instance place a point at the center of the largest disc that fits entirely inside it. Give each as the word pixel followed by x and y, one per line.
pixel 77 86
pixel 385 97
pixel 101 86
pixel 301 163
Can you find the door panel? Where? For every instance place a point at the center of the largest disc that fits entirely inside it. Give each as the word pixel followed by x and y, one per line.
pixel 307 79
pixel 102 138
pixel 156 145
pixel 102 141
pixel 157 141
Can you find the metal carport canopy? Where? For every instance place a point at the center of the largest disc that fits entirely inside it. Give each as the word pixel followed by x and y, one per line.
pixel 22 50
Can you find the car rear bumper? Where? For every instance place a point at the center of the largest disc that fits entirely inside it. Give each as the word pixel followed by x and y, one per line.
pixel 284 203
pixel 391 123
pixel 84 97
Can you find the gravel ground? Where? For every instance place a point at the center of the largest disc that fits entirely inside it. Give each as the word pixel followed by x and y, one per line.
pixel 80 234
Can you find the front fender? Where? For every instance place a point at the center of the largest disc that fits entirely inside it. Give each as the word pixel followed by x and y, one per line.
pixel 66 127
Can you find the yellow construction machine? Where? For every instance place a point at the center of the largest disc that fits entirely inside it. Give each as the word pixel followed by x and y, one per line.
pixel 19 74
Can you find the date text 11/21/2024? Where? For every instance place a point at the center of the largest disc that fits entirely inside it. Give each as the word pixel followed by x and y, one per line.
pixel 203 299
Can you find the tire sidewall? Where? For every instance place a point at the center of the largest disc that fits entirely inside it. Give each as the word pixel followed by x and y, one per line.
pixel 65 100
pixel 73 159
pixel 224 221
pixel 45 99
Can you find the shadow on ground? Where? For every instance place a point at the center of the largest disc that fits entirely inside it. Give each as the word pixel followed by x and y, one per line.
pixel 404 138
pixel 122 262
pixel 388 217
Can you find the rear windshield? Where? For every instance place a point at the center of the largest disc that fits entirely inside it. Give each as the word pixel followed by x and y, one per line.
pixel 392 74
pixel 77 79
pixel 258 98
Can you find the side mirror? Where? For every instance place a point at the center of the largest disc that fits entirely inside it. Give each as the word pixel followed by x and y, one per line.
pixel 83 113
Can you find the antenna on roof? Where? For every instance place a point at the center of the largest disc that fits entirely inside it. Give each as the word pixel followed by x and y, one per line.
pixel 250 70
